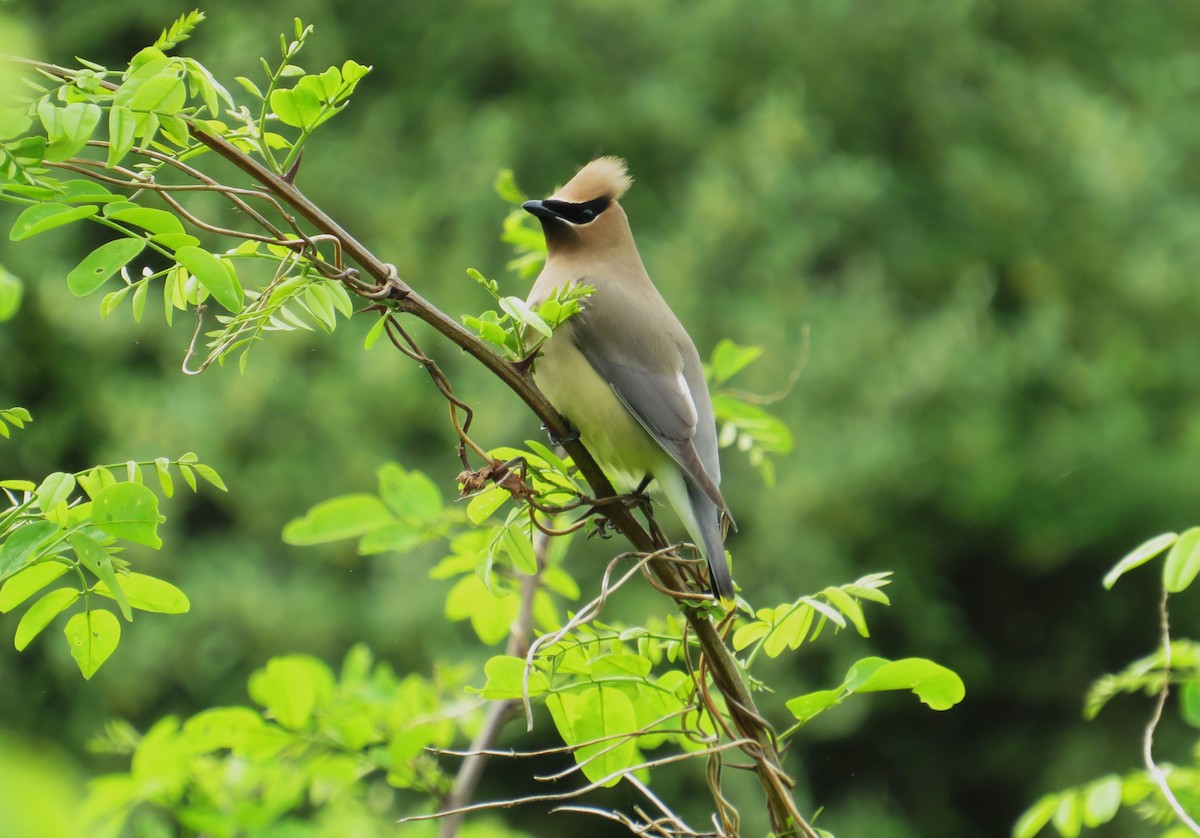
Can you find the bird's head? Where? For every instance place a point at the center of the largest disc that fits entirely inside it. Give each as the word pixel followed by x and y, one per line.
pixel 585 211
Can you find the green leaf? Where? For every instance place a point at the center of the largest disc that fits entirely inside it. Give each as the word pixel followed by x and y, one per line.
pixel 506 187
pixel 348 516
pixel 28 582
pixel 728 359
pixel 489 330
pixel 17 415
pixel 933 684
pixel 86 192
pixel 25 544
pixel 148 62
pixel 482 505
pixel 1189 695
pixel 222 727
pixel 806 707
pixel 42 217
pixel 180 30
pixel 68 128
pixel 210 474
pixel 491 614
pixel 410 494
pixel 1068 817
pixel 158 222
pixel 92 637
pixel 189 476
pixel 102 263
pixel 519 548
pixel 174 241
pixel 374 333
pixel 42 613
pixel 122 131
pixel 298 107
pixel 1101 800
pixel 593 721
pixel 13 123
pixel 96 559
pixel 162 467
pixel 249 86
pixel 353 72
pixel 552 459
pixel 289 688
pixel 789 630
pixel 139 306
pixel 1183 562
pixel 1036 817
pixel 128 511
pixel 504 678
pixel 212 274
pixel 11 291
pixel 848 606
pixel 396 537
pixel 147 593
pixel 55 489
pixel 516 308
pixel 1138 556
pixel 110 301
pixel 748 634
pixel 95 480
pixel 162 94
pixel 30 151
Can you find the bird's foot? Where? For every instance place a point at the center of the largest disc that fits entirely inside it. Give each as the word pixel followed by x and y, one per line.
pixel 572 435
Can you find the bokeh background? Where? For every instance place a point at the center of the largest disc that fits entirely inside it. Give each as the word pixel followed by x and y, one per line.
pixel 986 215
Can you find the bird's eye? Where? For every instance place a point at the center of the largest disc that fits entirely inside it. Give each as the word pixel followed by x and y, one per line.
pixel 583 213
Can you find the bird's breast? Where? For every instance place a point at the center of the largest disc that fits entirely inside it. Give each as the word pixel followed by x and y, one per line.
pixel 606 427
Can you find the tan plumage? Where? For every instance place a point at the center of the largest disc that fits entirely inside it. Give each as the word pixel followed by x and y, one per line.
pixel 625 372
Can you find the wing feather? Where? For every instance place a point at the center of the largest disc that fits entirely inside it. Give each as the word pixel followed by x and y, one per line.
pixel 660 400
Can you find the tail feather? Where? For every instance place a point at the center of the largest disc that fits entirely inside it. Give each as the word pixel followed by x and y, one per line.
pixel 708 517
pixel 702 519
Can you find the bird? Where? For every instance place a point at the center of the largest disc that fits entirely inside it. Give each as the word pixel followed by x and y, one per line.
pixel 624 371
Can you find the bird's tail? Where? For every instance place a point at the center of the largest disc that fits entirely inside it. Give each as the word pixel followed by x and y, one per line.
pixel 708 520
pixel 702 519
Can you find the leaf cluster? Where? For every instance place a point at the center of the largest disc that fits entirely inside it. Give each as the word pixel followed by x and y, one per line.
pixel 317 741
pixel 65 144
pixel 72 528
pixel 1176 661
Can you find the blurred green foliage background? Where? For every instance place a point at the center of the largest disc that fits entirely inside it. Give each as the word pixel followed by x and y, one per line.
pixel 987 215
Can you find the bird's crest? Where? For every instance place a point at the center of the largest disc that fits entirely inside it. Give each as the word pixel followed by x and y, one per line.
pixel 604 177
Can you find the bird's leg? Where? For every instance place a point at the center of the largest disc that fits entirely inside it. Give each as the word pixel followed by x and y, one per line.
pixel 636 499
pixel 639 499
pixel 572 435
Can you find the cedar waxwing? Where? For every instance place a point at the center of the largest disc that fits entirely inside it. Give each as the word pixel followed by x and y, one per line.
pixel 624 371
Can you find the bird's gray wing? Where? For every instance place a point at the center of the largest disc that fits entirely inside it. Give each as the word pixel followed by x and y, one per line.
pixel 658 396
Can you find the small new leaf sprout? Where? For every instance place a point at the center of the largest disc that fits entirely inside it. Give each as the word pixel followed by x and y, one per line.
pixel 179 31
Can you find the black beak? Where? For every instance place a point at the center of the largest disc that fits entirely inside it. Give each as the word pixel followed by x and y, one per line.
pixel 539 209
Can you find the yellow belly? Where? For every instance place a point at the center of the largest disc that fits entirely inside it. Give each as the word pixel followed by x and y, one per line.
pixel 621 446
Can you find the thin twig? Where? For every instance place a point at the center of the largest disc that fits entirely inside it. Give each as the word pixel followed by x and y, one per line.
pixel 584 615
pixel 1157 774
pixel 604 781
